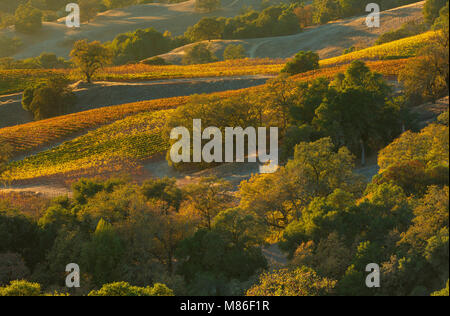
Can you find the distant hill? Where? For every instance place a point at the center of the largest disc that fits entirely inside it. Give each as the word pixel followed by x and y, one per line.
pixel 55 37
pixel 328 40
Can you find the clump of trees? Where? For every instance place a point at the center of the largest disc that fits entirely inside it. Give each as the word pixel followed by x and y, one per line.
pixel 125 289
pixel 234 52
pixel 48 99
pixel 302 62
pixel 43 61
pixel 28 19
pixel 329 10
pixel 202 239
pixel 432 8
pixel 199 54
pixel 205 30
pixel 426 78
pixel 272 21
pixel 299 282
pixel 135 46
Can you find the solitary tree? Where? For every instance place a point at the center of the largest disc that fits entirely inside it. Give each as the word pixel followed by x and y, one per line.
pixel 205 29
pixel 199 54
pixel 90 57
pixel 302 62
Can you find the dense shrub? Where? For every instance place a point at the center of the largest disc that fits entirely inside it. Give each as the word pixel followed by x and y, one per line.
pixel 140 44
pixel 272 21
pixel 431 9
pixel 302 62
pixel 125 289
pixel 28 19
pixel 234 52
pixel 48 99
pixel 198 54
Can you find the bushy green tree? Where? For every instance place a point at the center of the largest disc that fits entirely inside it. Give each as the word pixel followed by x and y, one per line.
pixel 302 62
pixel 125 289
pixel 28 19
pixel 234 52
pixel 206 29
pixel 21 288
pixel 431 9
pixel 138 45
pixel 90 57
pixel 199 54
pixel 299 282
pixel 101 256
pixel 48 99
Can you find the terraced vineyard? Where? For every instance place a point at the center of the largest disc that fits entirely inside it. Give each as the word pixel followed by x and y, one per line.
pixel 31 136
pixel 229 68
pixel 114 147
pixel 403 48
pixel 12 81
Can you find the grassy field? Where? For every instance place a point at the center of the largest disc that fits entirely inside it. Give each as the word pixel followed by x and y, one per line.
pixel 28 137
pixel 403 48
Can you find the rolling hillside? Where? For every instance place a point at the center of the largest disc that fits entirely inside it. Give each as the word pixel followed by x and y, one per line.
pixel 176 18
pixel 328 40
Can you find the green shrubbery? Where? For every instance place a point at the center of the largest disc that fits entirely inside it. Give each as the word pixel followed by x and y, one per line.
pixel 329 10
pixel 141 44
pixel 234 52
pixel 272 21
pixel 28 19
pixel 199 54
pixel 49 99
pixel 302 62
